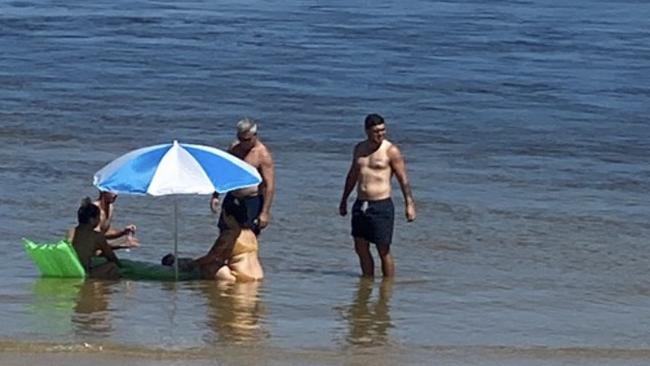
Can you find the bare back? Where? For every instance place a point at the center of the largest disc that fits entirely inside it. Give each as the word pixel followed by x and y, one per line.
pixel 254 157
pixel 374 171
pixel 241 255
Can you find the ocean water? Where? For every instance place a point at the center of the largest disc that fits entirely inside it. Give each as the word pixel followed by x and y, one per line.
pixel 525 129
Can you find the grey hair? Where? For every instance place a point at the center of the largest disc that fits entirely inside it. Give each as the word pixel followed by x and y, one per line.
pixel 246 125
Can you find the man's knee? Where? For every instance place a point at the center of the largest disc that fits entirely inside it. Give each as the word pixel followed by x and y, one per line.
pixel 383 250
pixel 361 246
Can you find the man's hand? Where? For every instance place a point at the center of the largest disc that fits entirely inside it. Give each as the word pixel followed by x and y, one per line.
pixel 263 220
pixel 343 208
pixel 410 212
pixel 131 242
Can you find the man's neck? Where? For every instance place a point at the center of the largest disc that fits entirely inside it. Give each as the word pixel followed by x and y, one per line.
pixel 373 146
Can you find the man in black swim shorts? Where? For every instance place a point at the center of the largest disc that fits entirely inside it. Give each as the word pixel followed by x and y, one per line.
pixel 373 221
pixel 374 162
pixel 251 206
pixel 246 211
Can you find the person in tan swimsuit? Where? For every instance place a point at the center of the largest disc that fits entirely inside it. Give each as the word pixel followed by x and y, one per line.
pixel 232 258
pixel 234 255
pixel 374 162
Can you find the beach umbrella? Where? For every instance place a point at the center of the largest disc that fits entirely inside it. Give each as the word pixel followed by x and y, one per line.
pixel 175 169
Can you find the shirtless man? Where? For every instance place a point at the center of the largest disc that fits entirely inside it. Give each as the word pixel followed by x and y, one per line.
pixel 374 162
pixel 251 206
pixel 105 203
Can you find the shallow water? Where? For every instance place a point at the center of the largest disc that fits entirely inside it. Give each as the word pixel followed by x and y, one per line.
pixel 524 126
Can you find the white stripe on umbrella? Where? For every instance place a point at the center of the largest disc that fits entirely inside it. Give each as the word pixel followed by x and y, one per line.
pixel 179 169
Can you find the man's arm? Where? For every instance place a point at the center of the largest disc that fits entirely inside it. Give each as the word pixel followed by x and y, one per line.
pixel 113 233
pixel 267 171
pixel 107 252
pixel 399 169
pixel 350 181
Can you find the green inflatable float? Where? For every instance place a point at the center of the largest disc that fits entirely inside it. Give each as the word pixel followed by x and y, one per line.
pixel 60 260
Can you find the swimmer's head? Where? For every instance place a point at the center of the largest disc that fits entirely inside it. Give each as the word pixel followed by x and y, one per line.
pixel 168 260
pixel 375 128
pixel 88 213
pixel 247 132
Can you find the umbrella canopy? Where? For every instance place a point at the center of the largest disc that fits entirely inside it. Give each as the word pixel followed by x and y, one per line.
pixel 176 169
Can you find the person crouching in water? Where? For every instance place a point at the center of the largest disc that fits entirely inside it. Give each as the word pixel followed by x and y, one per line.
pixel 232 258
pixel 87 243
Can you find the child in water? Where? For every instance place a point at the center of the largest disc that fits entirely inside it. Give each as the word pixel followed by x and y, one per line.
pixel 87 242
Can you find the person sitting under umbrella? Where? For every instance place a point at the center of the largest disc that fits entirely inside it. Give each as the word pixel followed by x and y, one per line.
pixel 117 239
pixel 87 242
pixel 232 258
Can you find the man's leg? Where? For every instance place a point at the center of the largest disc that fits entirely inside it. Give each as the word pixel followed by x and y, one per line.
pixel 362 247
pixel 387 263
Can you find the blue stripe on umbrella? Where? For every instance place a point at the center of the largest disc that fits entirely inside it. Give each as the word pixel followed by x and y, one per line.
pixel 136 174
pixel 217 167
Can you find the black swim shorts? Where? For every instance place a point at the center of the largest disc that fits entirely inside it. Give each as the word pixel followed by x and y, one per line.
pixel 246 210
pixel 373 220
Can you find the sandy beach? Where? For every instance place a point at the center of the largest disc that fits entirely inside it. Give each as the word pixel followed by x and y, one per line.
pixel 44 354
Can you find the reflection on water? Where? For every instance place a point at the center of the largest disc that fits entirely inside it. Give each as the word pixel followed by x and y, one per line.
pixel 54 303
pixel 369 320
pixel 235 312
pixel 63 306
pixel 91 312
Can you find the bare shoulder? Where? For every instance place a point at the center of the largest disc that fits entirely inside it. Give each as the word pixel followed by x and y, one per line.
pixel 359 147
pixel 392 150
pixel 263 148
pixel 264 153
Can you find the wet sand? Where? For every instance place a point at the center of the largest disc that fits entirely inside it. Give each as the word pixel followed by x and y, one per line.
pixel 39 354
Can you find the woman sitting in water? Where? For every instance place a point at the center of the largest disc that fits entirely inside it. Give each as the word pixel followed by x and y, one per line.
pixel 233 256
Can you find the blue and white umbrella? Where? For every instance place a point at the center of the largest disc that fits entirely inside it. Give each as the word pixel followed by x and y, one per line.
pixel 173 169
pixel 176 169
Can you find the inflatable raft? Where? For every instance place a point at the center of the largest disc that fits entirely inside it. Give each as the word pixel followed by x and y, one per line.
pixel 60 260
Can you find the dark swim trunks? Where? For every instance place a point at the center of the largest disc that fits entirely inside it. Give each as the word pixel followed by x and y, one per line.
pixel 373 220
pixel 245 210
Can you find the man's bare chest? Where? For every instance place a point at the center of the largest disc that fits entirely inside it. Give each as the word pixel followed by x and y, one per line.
pixel 251 157
pixel 375 161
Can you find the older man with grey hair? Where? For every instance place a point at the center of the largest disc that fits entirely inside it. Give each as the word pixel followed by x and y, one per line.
pixel 246 125
pixel 250 206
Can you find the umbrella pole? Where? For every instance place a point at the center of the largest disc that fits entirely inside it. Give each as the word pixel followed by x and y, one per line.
pixel 175 238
